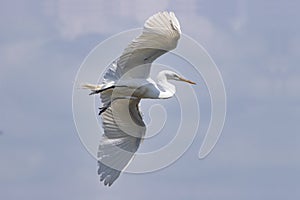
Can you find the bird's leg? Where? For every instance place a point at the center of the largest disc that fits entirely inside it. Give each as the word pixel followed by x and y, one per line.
pixel 101 90
pixel 104 108
pixel 104 89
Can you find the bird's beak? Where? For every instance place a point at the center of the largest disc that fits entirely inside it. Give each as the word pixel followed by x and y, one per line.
pixel 188 81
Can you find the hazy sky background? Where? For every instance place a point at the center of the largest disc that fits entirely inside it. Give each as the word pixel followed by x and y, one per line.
pixel 256 45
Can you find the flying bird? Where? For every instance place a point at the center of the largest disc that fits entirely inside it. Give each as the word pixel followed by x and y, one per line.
pixel 127 81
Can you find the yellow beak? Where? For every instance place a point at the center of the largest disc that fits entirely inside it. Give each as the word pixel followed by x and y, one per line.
pixel 188 81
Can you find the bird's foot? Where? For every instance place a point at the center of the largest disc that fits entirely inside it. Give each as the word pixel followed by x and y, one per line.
pixel 102 90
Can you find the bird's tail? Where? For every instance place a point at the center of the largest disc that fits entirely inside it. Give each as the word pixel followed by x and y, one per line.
pixel 94 88
pixel 97 88
pixel 91 86
pixel 105 91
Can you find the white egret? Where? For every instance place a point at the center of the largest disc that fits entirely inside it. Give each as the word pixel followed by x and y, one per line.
pixel 125 83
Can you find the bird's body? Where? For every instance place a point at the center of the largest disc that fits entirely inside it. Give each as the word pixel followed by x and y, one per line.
pixel 125 83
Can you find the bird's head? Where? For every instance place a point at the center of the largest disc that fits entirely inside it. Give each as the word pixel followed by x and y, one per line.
pixel 170 75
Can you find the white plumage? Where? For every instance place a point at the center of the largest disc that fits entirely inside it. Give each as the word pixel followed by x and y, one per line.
pixel 125 83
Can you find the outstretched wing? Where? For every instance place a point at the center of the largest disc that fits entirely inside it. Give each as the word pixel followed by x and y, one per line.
pixel 122 123
pixel 123 131
pixel 160 35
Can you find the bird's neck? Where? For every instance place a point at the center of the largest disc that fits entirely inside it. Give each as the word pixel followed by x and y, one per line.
pixel 167 90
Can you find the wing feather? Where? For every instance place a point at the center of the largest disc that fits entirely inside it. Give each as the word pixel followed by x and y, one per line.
pixel 160 35
pixel 123 129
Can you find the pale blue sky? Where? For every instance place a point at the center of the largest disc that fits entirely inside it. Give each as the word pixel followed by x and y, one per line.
pixel 256 45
